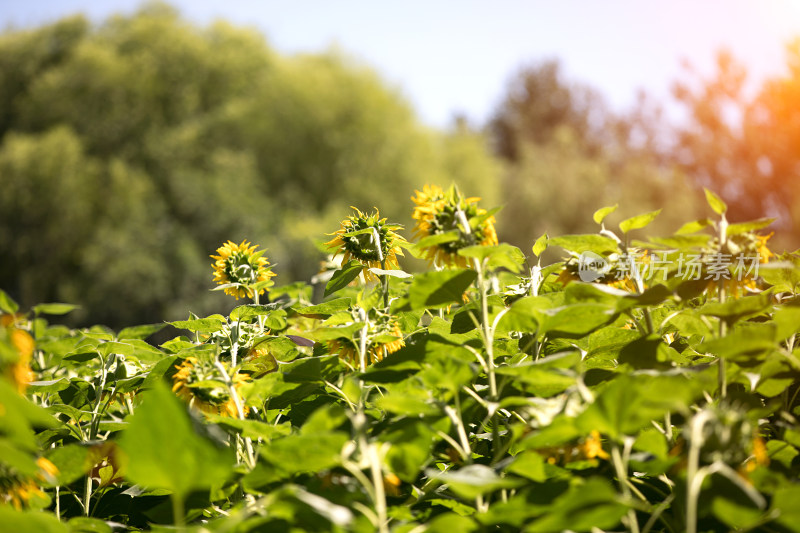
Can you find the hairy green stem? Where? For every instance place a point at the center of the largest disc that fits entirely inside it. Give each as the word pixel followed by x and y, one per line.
pixel 692 470
pixel 249 457
pixel 621 469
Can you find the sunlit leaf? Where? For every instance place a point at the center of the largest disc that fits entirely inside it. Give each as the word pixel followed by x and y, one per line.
pixel 540 245
pixel 54 309
pixel 693 227
pixel 716 203
pixel 472 481
pixel 163 450
pixel 639 221
pixel 744 227
pixel 603 212
pixel 439 289
pixel 7 305
pixel 501 256
pixel 585 243
pixel 343 277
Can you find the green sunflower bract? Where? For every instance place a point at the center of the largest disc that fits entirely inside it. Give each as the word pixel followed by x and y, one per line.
pixel 440 212
pixel 243 267
pixel 356 239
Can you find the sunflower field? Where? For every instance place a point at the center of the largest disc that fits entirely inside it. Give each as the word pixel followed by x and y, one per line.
pixel 627 385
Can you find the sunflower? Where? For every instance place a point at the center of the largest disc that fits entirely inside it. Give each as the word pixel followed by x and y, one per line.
pixel 356 240
pixel 243 267
pixel 383 337
pixel 747 251
pixel 619 274
pixel 441 213
pixel 106 466
pixel 592 446
pixel 764 253
pixel 22 490
pixel 203 388
pixel 18 372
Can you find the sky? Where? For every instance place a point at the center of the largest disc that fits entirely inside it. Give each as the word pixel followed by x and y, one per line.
pixel 450 57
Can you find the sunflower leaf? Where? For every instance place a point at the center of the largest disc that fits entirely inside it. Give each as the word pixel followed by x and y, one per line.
pixel 54 309
pixel 343 277
pixel 439 289
pixel 639 221
pixel 540 245
pixel 603 212
pixel 753 225
pixel 715 202
pixel 693 227
pixel 165 452
pixel 7 305
pixel 393 273
pixel 439 238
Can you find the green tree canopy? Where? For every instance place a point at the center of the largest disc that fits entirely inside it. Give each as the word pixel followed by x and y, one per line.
pixel 132 149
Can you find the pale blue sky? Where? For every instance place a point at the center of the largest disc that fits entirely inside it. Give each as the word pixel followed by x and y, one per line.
pixel 457 56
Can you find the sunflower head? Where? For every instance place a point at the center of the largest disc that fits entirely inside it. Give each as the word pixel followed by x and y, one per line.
pixel 107 465
pixel 23 491
pixel 243 268
pixel 453 221
pixel 201 385
pixel 592 446
pixel 764 253
pixel 368 239
pixel 383 337
pixel 21 345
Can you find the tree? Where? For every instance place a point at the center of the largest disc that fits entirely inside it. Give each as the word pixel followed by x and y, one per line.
pixel 567 155
pixel 745 144
pixel 539 101
pixel 154 141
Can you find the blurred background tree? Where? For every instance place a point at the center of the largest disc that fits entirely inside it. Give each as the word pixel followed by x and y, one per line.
pixel 744 141
pixel 566 155
pixel 131 150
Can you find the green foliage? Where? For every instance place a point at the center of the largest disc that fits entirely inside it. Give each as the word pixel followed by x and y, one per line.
pixel 480 397
pixel 163 451
pixel 623 384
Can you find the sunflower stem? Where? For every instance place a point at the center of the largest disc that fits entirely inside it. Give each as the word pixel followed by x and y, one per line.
pixel 376 238
pixel 87 495
pixel 621 468
pixel 256 301
pixel 369 452
pixel 486 331
pixel 249 457
pixel 178 512
pixel 722 371
pixel 488 340
pixel 362 344
pixel 692 469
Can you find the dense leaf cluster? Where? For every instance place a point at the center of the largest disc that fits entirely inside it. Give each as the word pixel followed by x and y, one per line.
pixel 524 398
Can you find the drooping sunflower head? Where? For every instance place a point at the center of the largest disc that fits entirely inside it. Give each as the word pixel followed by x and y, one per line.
pixel 744 253
pixel 750 245
pixel 202 387
pixel 383 336
pixel 454 221
pixel 368 239
pixel 243 267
